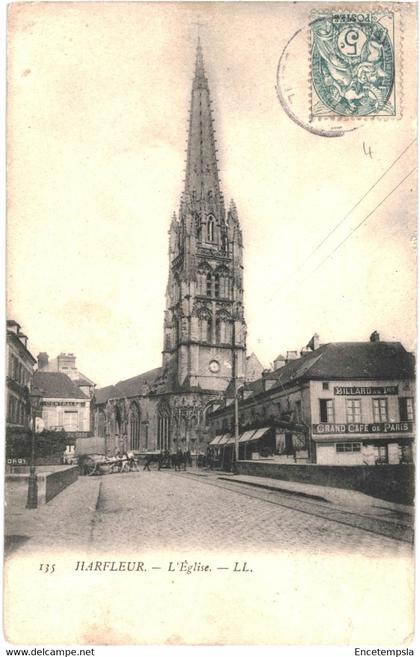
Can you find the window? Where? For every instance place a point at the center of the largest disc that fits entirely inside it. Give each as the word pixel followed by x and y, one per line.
pixel 163 431
pixel 70 420
pixel 347 447
pixel 406 405
pixel 298 409
pixel 209 284
pixel 325 385
pixel 326 410
pixel 134 427
pixel 10 410
pixel 380 410
pixel 354 413
pixel 210 229
pixel 14 367
pixel 219 327
pixel 382 454
pixel 216 285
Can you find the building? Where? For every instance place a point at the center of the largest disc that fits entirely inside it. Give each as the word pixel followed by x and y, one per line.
pixel 343 403
pixel 204 344
pixel 63 404
pixel 66 364
pixel 19 373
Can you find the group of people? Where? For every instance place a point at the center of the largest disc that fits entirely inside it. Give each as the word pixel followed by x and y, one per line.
pixel 164 459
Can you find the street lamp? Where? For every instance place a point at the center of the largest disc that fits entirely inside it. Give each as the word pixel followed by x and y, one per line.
pixel 32 500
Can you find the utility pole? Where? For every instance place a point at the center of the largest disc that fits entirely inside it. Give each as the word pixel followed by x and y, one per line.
pixel 236 402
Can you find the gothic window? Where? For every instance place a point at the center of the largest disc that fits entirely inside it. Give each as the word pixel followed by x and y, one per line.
pixel 204 279
pixel 175 289
pixel 209 327
pixel 101 423
pixel 216 285
pixel 224 242
pixel 210 229
pixel 219 326
pixel 205 325
pixel 223 282
pixel 164 427
pixel 134 427
pixel 223 327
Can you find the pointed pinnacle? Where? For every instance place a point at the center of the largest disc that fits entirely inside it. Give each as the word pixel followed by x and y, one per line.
pixel 200 73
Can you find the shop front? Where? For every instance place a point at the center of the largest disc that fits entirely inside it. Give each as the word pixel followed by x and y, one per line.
pixel 360 450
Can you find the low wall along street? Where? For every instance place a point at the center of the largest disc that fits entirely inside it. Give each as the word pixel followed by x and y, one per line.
pixel 51 481
pixel 394 483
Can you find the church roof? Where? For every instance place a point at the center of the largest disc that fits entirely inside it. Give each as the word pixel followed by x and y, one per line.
pixel 134 386
pixel 128 387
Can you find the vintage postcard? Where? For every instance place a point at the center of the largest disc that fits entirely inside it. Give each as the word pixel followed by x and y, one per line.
pixel 211 323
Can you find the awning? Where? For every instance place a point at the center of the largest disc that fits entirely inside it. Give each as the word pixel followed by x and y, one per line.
pixel 260 433
pixel 216 439
pixel 246 436
pixel 224 439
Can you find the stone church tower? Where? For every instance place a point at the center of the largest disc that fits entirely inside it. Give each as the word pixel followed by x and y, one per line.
pixel 204 326
pixel 204 348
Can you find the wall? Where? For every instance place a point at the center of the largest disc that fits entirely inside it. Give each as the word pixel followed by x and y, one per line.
pixel 51 481
pixel 394 483
pixel 54 415
pixel 405 389
pixel 326 454
pixel 59 480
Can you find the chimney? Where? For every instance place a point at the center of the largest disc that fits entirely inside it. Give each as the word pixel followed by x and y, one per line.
pixel 23 338
pixel 66 362
pixel 268 378
pixel 375 337
pixel 13 326
pixel 314 342
pixel 280 361
pixel 43 360
pixel 291 355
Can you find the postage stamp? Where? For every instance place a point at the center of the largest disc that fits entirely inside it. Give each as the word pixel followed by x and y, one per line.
pixel 352 64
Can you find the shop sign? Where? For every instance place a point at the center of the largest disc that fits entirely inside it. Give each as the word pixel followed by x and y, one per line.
pixel 349 391
pixel 17 462
pixel 62 403
pixel 360 427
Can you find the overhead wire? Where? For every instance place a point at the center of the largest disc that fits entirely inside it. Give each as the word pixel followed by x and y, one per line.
pixel 332 231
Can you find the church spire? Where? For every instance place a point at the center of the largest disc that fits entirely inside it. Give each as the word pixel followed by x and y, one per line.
pixel 202 176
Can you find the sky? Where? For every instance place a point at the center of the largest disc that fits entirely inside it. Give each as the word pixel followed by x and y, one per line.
pixel 98 99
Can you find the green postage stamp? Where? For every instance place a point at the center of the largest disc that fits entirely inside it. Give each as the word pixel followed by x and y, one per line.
pixel 353 64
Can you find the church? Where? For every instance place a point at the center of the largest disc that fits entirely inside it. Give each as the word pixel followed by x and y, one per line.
pixel 204 341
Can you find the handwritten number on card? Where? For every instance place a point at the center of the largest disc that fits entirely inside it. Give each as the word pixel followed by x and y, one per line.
pixel 367 150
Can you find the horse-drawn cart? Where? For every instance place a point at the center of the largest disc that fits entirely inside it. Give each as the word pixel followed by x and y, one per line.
pixel 99 464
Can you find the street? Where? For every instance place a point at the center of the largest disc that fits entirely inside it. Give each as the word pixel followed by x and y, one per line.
pixel 198 510
pixel 171 510
pixel 302 557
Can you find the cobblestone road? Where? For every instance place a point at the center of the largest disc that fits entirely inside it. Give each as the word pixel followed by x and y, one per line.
pixel 168 510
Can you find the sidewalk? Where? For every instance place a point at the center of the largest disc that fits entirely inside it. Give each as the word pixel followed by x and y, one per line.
pixel 65 521
pixel 341 498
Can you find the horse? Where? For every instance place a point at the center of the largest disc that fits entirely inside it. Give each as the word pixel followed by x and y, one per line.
pixel 179 460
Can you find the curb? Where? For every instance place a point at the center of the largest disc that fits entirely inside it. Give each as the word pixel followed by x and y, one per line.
pixel 277 489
